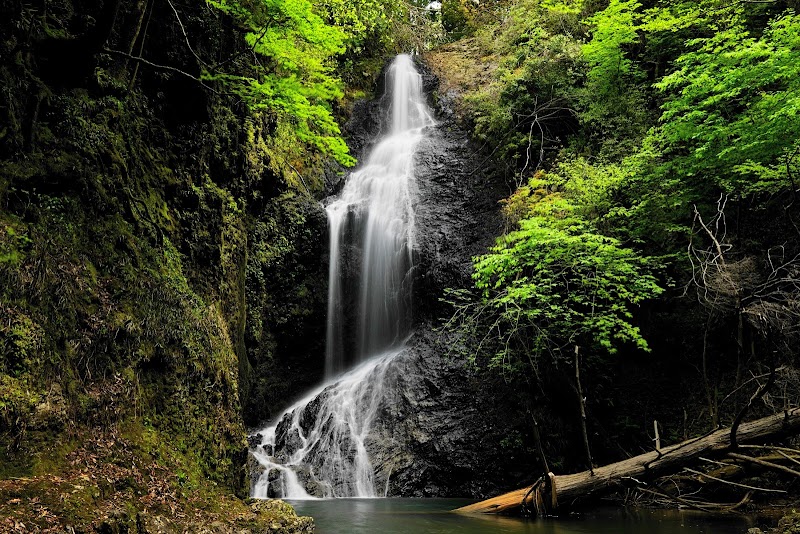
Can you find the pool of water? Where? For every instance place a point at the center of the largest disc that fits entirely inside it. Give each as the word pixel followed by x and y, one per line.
pixel 434 516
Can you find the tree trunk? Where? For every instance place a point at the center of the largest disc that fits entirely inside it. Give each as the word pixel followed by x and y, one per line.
pixel 566 489
pixel 582 404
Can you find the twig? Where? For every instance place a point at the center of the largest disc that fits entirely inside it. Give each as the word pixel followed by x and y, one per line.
pixel 185 35
pixel 240 54
pixel 790 458
pixel 758 461
pixel 764 375
pixel 757 395
pixel 739 504
pixel 166 68
pixel 723 464
pixel 691 504
pixel 768 490
pixel 772 448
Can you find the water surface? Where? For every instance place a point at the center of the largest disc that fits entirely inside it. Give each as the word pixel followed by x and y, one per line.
pixel 433 516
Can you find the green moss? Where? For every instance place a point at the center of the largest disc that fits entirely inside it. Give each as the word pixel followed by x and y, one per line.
pixel 789 524
pixel 13 242
pixel 137 245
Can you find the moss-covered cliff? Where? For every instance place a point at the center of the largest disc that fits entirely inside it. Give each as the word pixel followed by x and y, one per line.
pixel 160 273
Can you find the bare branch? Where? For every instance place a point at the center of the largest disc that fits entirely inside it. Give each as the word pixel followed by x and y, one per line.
pixel 717 479
pixel 185 35
pixel 156 66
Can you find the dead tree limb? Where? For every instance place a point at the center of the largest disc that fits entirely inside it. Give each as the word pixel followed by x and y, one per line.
pixel 571 488
pixel 764 463
pixel 763 388
pixel 737 484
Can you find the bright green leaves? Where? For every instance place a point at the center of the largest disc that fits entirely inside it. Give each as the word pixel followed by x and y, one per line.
pixel 613 103
pixel 293 79
pixel 555 283
pixel 612 29
pixel 732 113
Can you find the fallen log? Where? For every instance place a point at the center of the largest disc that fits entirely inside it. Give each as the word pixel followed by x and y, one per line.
pixel 566 489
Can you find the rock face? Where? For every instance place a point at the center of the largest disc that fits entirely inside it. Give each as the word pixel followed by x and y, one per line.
pixel 436 433
pixel 457 213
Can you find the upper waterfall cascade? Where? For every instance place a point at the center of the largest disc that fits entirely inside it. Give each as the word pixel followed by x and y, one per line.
pixel 375 213
pixel 317 447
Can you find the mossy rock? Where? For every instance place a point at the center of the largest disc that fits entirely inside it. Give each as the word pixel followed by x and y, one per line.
pixel 789 524
pixel 280 518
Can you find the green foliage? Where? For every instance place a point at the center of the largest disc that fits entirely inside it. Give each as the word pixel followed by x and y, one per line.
pixel 455 18
pixel 612 103
pixel 573 187
pixel 613 29
pixel 555 283
pixel 367 24
pixel 532 99
pixel 294 80
pixel 615 120
pixel 732 119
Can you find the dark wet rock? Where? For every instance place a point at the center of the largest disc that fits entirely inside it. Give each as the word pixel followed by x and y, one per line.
pixel 275 488
pixel 309 482
pixel 293 441
pixel 436 434
pixel 309 413
pixel 254 440
pixel 287 437
pixel 254 470
pixel 457 212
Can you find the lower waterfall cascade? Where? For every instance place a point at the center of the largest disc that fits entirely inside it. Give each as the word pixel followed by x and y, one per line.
pixel 318 446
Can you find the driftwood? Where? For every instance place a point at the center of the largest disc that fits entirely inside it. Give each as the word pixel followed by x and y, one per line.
pixel 566 489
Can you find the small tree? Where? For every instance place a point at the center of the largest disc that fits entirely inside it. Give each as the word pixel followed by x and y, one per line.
pixel 551 285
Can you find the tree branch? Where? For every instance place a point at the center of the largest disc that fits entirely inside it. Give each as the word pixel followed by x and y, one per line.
pixel 165 68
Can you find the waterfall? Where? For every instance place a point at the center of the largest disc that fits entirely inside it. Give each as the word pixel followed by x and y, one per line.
pixel 375 211
pixel 319 445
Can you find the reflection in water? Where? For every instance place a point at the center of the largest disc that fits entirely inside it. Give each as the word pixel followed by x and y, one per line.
pixel 433 516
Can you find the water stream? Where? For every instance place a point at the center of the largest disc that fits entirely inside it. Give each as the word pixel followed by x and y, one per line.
pixel 374 214
pixel 318 446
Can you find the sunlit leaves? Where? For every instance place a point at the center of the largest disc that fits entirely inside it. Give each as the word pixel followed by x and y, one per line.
pixel 612 29
pixel 554 283
pixel 293 79
pixel 732 113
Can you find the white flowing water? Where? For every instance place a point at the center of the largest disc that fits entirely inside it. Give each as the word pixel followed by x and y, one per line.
pixel 375 214
pixel 318 446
